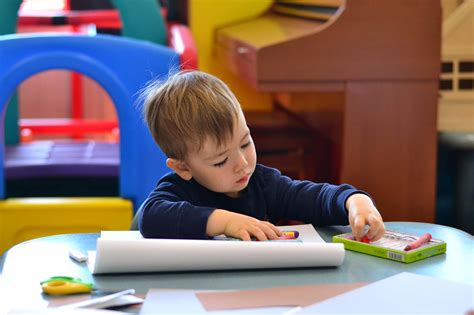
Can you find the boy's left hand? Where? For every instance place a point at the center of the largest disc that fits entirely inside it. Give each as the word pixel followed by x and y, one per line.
pixel 362 212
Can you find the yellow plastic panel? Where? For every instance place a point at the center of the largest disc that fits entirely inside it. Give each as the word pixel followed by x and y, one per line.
pixel 23 219
pixel 205 16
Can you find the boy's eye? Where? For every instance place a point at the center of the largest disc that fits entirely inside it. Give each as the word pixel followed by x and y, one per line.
pixel 246 144
pixel 220 164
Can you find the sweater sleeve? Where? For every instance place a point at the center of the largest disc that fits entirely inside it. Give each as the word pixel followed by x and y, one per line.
pixel 317 203
pixel 168 212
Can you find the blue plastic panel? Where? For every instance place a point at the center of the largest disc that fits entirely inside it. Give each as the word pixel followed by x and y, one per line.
pixel 122 66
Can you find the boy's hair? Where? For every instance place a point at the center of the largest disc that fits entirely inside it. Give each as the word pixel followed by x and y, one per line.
pixel 188 108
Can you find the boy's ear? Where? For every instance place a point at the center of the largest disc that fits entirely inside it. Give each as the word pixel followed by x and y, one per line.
pixel 180 168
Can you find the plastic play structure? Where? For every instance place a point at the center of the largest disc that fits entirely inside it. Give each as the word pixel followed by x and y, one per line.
pixel 54 159
pixel 122 67
pixel 142 19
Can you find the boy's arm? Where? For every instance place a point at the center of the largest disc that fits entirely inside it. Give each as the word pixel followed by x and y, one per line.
pixel 321 204
pixel 240 226
pixel 168 212
pixel 163 218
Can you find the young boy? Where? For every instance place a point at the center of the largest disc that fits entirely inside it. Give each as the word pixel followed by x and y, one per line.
pixel 217 187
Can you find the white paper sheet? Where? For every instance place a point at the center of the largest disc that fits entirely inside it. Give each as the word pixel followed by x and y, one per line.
pixel 121 298
pixel 127 251
pixel 405 292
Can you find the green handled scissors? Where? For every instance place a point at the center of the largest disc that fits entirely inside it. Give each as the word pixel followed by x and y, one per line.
pixel 65 285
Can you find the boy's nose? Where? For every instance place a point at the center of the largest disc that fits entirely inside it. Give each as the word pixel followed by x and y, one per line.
pixel 241 162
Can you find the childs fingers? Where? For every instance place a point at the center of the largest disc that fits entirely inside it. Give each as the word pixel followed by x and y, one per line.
pixel 258 233
pixel 377 228
pixel 269 230
pixel 274 229
pixel 263 232
pixel 244 235
pixel 358 227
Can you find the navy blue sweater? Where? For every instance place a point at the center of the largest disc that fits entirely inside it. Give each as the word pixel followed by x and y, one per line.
pixel 180 209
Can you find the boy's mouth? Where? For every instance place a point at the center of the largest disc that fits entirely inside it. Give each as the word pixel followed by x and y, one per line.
pixel 243 179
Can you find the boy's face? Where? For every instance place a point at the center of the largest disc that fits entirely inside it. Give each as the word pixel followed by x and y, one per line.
pixel 225 169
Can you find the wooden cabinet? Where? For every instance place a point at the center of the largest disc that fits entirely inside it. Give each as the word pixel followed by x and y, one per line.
pixel 366 79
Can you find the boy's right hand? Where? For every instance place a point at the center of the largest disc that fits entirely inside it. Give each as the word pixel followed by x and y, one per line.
pixel 240 226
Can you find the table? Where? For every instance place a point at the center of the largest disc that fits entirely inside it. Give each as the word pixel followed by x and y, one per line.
pixel 28 263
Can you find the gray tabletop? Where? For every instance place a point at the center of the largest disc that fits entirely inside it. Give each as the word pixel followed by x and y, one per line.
pixel 30 262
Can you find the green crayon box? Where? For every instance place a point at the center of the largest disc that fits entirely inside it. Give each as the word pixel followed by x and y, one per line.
pixel 392 246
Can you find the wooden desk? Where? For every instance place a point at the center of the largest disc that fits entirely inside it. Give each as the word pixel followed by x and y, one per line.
pixel 28 263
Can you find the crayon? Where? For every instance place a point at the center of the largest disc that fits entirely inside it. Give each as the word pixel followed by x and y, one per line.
pixel 425 238
pixel 291 234
pixel 284 237
pixel 286 240
pixel 280 238
pixel 364 239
